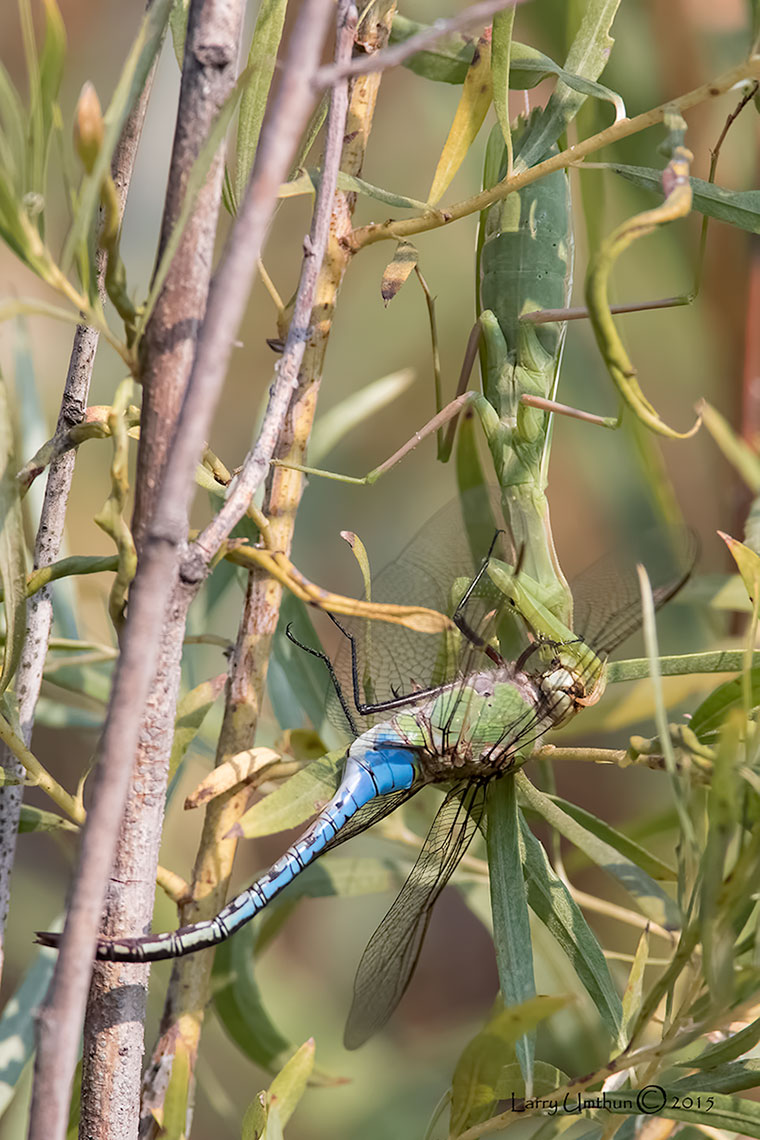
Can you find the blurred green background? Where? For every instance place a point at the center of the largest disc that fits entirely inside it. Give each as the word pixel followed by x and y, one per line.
pixel 663 48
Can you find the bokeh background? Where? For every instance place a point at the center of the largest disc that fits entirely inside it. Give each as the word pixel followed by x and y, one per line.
pixel 663 48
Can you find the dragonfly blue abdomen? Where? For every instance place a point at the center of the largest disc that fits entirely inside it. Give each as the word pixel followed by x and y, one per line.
pixel 375 766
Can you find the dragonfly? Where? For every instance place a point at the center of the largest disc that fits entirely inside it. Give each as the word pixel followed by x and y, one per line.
pixel 467 714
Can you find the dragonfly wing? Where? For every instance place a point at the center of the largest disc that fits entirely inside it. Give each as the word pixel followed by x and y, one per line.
pixel 370 814
pixel 434 570
pixel 607 597
pixel 391 955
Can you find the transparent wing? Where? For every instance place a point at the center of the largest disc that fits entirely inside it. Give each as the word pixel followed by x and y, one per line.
pixel 369 815
pixel 434 570
pixel 606 596
pixel 391 955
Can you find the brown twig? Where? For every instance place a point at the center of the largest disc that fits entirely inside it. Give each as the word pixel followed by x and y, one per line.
pixel 475 16
pixel 113 1040
pixel 52 518
pixel 189 988
pixel 61 1017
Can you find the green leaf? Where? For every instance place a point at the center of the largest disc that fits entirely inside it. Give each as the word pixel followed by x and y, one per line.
pixel 731 1113
pixel 262 58
pixel 237 1002
pixel 634 986
pixel 509 905
pixel 298 799
pixel 18 1022
pixel 740 208
pixel 446 62
pixel 501 54
pixel 35 819
pixel 178 27
pixel 307 182
pixel 633 851
pixel 650 897
pixel 709 717
pixel 191 712
pixel 130 84
pixel 289 1085
pixel 737 451
pixel 255 1119
pixel 296 681
pixel 717 921
pixel 174 1117
pixel 730 1049
pixel 12 546
pixel 724 1078
pixel 479 1076
pixel 551 901
pixel 586 59
pixel 529 67
pixel 52 58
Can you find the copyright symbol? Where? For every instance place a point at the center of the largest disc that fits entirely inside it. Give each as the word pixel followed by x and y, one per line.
pixel 651 1099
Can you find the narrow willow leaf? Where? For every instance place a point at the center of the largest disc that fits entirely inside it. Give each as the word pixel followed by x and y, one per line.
pixel 468 119
pixel 174 1113
pixel 52 58
pixel 178 27
pixel 18 1022
pixel 398 269
pixel 718 935
pixel 747 562
pixel 740 208
pixel 307 182
pixel 262 58
pixel 509 905
pixel 35 819
pixel 732 1113
pixel 650 897
pixel 12 546
pixel 586 59
pixel 634 985
pixel 255 1119
pixel 130 84
pixel 730 1049
pixel 191 713
pixel 482 1066
pixel 295 801
pixel 501 52
pixel 529 67
pixel 289 1085
pixel 724 1078
pixel 297 681
pixel 356 409
pixel 633 851
pixel 737 451
pixel 446 62
pixel 551 901
pixel 708 718
pixel 236 999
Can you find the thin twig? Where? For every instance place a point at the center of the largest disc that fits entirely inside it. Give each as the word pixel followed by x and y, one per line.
pixel 52 518
pixel 477 15
pixel 256 464
pixel 113 1038
pixel 623 128
pixel 61 1017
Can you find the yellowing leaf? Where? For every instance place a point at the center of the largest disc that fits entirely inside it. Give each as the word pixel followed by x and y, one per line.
pixel 747 561
pixel 404 260
pixel 470 113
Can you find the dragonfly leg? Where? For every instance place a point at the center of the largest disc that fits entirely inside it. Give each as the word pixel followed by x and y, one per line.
pixel 333 677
